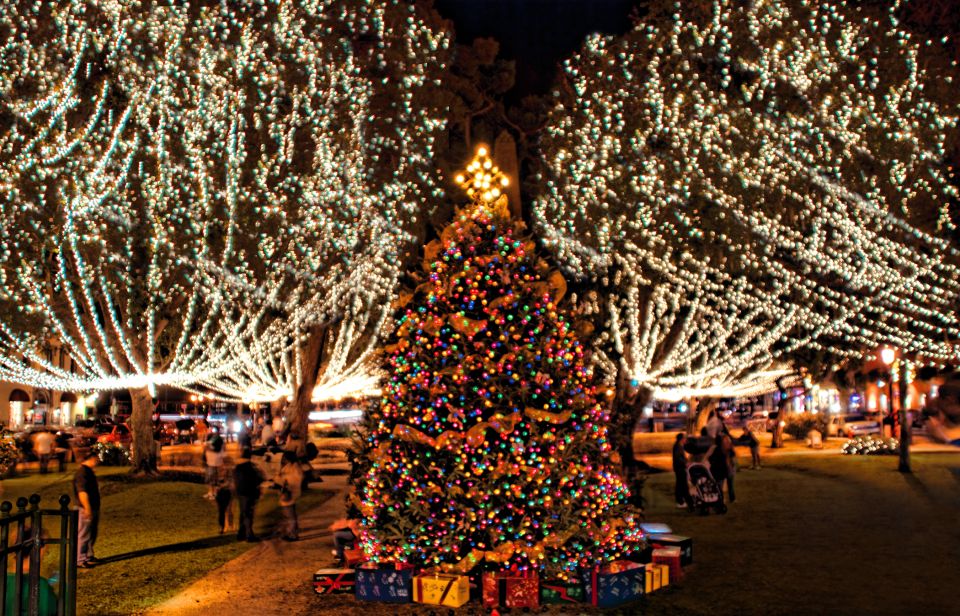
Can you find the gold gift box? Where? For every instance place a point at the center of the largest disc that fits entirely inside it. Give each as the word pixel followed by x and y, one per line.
pixel 441 589
pixel 657 576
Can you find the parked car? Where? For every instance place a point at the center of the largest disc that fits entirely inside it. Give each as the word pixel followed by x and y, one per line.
pixel 168 433
pixel 186 430
pixel 851 425
pixel 114 433
pixel 763 421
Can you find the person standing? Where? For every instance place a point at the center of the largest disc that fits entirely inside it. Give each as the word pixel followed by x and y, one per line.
pixel 730 454
pixel 44 444
pixel 682 489
pixel 722 459
pixel 247 479
pixel 224 499
pixel 201 431
pixel 750 439
pixel 87 491
pixel 213 455
pixel 714 425
pixel 290 482
pixel 267 436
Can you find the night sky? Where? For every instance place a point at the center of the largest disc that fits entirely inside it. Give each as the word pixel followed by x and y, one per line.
pixel 537 34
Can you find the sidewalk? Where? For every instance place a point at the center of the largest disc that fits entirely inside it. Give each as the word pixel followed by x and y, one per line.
pixel 791 447
pixel 275 575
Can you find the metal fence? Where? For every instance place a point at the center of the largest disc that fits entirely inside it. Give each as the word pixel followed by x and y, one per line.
pixel 25 536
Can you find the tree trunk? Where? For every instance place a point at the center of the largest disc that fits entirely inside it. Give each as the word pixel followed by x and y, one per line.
pixel 143 450
pixel 782 410
pixel 505 153
pixel 627 408
pixel 697 418
pixel 299 408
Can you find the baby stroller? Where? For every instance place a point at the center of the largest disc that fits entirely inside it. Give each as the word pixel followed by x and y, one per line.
pixel 704 489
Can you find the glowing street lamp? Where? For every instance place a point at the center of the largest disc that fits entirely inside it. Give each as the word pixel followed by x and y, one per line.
pixel 887 356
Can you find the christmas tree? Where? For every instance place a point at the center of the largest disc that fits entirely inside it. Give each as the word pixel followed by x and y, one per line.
pixel 488 446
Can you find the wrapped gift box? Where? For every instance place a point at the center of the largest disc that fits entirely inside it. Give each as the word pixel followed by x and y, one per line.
pixel 559 591
pixel 615 584
pixel 670 540
pixel 655 528
pixel 441 589
pixel 642 556
pixel 657 576
pixel 511 589
pixel 669 556
pixel 354 558
pixel 387 583
pixel 327 581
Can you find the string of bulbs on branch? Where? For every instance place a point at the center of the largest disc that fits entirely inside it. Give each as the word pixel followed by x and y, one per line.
pixel 751 179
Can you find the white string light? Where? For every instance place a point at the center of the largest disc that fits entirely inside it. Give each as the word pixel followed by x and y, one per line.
pixel 751 180
pixel 185 190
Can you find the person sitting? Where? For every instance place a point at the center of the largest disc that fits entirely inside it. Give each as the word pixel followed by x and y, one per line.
pixel 346 531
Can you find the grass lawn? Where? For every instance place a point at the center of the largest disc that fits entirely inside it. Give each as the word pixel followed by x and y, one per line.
pixel 155 536
pixel 822 535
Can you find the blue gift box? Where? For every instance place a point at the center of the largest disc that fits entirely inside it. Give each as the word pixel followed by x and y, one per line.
pixel 615 584
pixel 387 584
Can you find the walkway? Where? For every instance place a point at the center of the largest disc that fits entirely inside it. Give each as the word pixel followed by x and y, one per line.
pixel 272 576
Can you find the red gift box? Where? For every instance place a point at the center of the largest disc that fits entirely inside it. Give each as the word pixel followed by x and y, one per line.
pixel 327 581
pixel 354 558
pixel 669 556
pixel 511 589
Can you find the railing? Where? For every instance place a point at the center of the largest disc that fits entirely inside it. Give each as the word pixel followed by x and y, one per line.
pixel 26 528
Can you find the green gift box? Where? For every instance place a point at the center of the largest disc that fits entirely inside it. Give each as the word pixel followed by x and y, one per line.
pixel 558 591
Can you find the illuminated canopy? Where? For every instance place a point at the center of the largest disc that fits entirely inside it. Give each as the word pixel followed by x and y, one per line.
pixel 745 179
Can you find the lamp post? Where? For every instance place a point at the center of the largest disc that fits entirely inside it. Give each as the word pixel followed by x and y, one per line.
pixel 887 356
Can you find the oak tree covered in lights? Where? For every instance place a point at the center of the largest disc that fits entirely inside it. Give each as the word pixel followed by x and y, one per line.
pixel 741 180
pixel 179 180
pixel 489 443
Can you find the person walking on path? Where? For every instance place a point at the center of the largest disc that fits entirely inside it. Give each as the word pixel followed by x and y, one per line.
pixel 44 445
pixel 213 454
pixel 247 479
pixel 87 491
pixel 290 482
pixel 682 490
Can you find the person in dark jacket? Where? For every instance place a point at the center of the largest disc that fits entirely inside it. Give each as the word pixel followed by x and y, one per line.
pixel 682 490
pixel 722 463
pixel 87 490
pixel 247 479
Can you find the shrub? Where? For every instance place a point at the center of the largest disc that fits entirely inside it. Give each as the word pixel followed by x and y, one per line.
pixel 8 453
pixel 799 424
pixel 112 454
pixel 871 445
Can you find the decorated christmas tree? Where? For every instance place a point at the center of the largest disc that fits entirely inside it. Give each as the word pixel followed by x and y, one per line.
pixel 489 446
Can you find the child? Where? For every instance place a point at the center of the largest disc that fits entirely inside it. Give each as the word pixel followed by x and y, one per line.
pixel 346 531
pixel 224 498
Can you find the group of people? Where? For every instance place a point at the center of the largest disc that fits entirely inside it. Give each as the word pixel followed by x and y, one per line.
pixel 720 456
pixel 245 483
